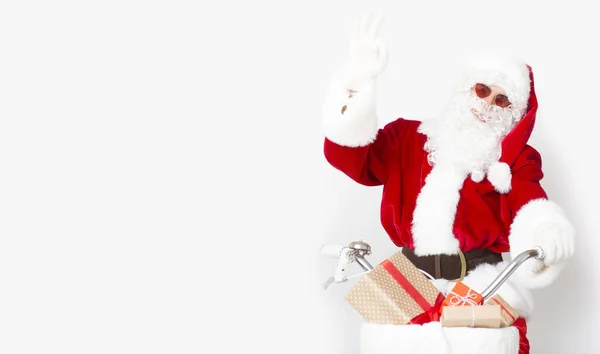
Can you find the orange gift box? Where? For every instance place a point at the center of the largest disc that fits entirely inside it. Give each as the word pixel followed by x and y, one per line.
pixel 462 295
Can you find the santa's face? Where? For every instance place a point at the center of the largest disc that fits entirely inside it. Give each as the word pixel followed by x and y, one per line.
pixel 489 105
pixel 471 127
pixel 492 95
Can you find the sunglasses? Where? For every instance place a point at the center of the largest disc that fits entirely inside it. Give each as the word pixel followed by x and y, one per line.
pixel 483 91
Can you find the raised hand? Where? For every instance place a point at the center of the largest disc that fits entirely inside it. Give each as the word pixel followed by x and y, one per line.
pixel 368 54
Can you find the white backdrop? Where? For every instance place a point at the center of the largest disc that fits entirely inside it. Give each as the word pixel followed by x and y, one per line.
pixel 162 182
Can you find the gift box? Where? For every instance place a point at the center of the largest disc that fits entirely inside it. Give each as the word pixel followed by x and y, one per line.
pixel 509 314
pixel 395 292
pixel 489 316
pixel 462 295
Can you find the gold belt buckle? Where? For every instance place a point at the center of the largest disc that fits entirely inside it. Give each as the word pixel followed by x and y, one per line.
pixel 463 265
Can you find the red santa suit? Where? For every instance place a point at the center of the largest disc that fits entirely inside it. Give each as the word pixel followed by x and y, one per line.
pixel 434 209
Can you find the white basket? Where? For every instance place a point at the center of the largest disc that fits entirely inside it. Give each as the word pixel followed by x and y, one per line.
pixel 432 338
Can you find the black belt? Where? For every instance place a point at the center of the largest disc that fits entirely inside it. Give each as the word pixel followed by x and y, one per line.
pixel 452 267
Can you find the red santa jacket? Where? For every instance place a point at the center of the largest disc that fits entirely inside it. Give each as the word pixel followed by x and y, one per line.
pixel 396 159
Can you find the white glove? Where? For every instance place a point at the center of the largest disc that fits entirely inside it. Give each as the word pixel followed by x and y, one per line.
pixel 349 114
pixel 558 245
pixel 542 223
pixel 367 56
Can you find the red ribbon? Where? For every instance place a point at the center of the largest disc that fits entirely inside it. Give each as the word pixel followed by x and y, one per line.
pixel 431 313
pixel 504 308
pixel 406 284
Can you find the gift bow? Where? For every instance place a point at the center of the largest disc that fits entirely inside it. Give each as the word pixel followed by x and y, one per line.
pixel 430 315
pixel 459 300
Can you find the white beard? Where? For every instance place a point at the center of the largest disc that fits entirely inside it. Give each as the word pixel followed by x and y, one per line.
pixel 458 144
pixel 467 141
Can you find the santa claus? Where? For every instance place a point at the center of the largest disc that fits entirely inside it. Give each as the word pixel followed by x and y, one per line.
pixel 459 190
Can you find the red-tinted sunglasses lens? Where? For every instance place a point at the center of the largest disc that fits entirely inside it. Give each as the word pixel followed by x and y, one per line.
pixel 482 90
pixel 502 101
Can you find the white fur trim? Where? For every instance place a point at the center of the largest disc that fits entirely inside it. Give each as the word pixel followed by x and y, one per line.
pixel 432 338
pixel 500 176
pixel 477 176
pixel 433 218
pixel 524 235
pixel 356 124
pixel 501 70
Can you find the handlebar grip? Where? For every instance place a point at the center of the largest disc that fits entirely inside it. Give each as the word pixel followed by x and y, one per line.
pixel 333 251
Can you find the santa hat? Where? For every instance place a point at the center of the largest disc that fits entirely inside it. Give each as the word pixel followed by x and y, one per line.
pixel 516 78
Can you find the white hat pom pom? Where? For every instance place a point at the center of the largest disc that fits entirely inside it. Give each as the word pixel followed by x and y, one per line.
pixel 500 176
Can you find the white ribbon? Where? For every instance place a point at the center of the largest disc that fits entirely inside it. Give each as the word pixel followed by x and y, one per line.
pixel 459 300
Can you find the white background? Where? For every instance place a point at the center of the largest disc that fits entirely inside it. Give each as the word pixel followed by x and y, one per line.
pixel 162 182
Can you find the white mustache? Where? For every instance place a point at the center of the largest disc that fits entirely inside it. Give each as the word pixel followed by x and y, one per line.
pixel 501 118
pixel 480 116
